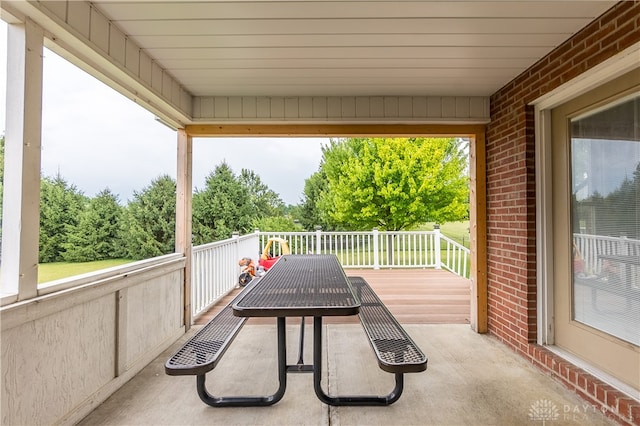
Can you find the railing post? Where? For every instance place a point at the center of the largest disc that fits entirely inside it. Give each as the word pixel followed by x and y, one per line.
pixel 235 236
pixel 436 245
pixel 318 239
pixel 256 231
pixel 626 245
pixel 376 258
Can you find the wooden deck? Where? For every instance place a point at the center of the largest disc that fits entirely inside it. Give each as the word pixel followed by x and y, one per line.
pixel 414 296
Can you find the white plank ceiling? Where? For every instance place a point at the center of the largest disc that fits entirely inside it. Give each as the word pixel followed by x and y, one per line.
pixel 347 48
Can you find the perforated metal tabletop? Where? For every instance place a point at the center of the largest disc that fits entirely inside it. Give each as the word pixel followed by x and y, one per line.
pixel 300 285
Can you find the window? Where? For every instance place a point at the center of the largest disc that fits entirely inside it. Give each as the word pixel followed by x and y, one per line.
pixel 595 207
pixel 605 210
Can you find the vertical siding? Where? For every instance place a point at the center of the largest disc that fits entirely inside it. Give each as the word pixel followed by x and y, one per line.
pixel 342 108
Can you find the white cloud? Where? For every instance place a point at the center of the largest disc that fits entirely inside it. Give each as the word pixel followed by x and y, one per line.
pixel 96 138
pixel 282 164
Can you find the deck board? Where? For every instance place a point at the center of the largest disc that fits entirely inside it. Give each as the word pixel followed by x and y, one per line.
pixel 414 296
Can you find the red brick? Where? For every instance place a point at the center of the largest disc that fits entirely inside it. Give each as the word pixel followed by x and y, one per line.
pixel 613 38
pixel 635 414
pixel 630 15
pixel 624 407
pixel 612 398
pixel 588 398
pixel 511 196
pixel 599 392
pixel 582 380
pixel 573 375
pixel 591 387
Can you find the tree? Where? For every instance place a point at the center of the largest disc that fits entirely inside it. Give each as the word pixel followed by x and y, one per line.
pixel 150 220
pixel 616 215
pixel 264 201
pixel 96 237
pixel 61 205
pixel 394 183
pixel 223 207
pixel 277 224
pixel 311 215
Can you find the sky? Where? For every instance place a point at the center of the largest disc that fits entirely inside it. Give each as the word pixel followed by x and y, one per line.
pixel 95 138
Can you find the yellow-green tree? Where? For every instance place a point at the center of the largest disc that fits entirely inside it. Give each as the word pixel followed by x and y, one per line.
pixel 394 183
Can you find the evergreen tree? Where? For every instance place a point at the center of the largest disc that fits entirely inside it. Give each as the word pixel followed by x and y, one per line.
pixel 311 215
pixel 61 205
pixel 615 215
pixel 221 208
pixel 96 237
pixel 150 220
pixel 264 201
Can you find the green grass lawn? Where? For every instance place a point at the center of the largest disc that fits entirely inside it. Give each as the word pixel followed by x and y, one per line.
pixel 457 231
pixel 56 270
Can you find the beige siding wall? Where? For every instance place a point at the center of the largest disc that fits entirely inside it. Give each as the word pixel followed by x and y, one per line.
pixel 57 361
pixel 422 109
pixel 64 353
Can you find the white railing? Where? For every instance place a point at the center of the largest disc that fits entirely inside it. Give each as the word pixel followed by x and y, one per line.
pixel 380 249
pixel 215 267
pixel 215 270
pixel 589 248
pixel 457 257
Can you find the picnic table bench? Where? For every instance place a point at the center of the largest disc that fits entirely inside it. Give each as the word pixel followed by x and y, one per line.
pixel 202 352
pixel 396 352
pixel 394 348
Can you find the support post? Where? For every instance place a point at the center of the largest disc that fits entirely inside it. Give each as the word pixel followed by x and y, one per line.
pixel 478 224
pixel 183 216
pixel 21 203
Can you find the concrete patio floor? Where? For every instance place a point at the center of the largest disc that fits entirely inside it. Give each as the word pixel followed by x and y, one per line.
pixel 471 379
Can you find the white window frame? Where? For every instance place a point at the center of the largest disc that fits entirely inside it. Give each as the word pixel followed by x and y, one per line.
pixel 608 70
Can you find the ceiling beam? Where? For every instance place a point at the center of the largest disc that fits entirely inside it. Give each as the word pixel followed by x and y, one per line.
pixel 333 130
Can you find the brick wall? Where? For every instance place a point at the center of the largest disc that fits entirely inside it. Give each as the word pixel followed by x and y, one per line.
pixel 511 203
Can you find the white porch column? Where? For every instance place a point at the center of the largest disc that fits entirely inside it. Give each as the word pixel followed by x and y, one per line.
pixel 21 202
pixel 183 214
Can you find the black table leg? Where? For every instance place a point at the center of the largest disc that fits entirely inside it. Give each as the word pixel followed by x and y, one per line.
pixel 346 400
pixel 252 401
pixel 301 347
pixel 300 366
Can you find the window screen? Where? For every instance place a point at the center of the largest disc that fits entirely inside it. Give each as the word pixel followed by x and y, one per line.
pixel 605 210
